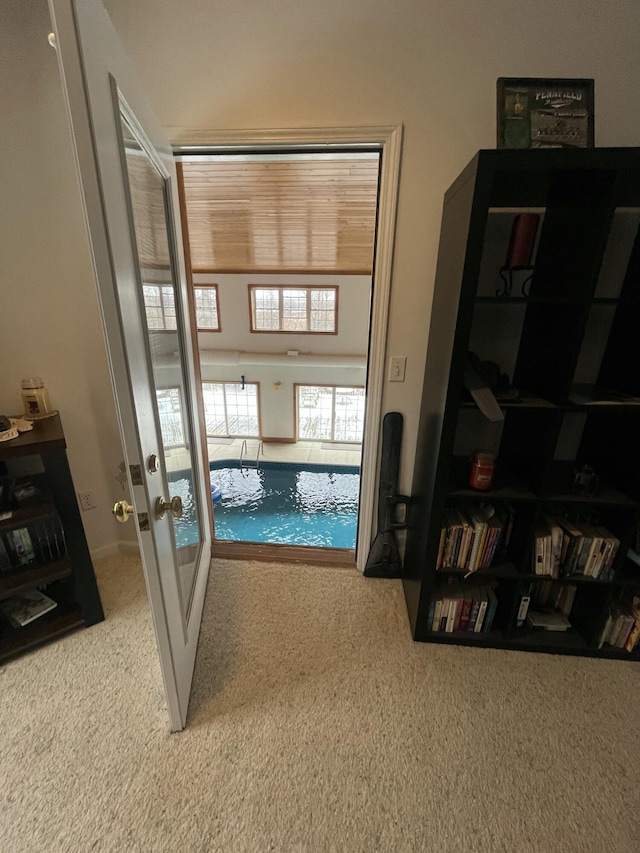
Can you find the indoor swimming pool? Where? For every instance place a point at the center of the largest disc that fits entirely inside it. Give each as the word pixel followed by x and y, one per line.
pixel 280 503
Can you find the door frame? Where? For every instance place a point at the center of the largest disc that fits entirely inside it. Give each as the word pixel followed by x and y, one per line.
pixel 388 141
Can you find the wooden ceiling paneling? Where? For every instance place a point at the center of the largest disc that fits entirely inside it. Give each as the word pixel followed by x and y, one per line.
pixel 306 215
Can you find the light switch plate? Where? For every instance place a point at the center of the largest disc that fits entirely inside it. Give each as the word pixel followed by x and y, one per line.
pixel 397 368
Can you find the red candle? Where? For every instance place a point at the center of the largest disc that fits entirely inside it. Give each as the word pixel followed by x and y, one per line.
pixel 523 238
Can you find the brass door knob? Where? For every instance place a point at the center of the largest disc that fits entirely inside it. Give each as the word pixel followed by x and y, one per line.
pixel 122 510
pixel 174 506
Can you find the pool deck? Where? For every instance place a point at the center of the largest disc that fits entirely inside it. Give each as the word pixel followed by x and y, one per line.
pixel 301 451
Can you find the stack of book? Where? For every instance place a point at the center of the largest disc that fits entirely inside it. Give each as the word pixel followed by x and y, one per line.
pixel 621 628
pixel 554 594
pixel 547 597
pixel 564 548
pixel 461 607
pixel 470 539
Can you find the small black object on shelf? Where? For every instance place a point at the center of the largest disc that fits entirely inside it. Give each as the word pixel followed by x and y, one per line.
pixel 506 274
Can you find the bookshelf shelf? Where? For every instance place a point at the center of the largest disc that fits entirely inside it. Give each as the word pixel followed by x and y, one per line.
pixel 570 343
pixel 574 579
pixel 43 549
pixel 468 638
pixel 500 570
pixel 62 620
pixel 525 402
pixel 20 517
pixel 19 580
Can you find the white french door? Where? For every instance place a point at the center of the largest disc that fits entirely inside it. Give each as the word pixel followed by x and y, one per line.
pixel 130 197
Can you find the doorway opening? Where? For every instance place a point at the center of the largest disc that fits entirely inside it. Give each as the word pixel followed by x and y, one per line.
pixel 274 248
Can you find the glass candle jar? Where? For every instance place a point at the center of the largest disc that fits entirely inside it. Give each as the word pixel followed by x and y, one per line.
pixel 35 399
pixel 481 470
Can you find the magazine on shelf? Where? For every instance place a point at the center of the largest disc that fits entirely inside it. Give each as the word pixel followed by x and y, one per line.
pixel 548 620
pixel 22 609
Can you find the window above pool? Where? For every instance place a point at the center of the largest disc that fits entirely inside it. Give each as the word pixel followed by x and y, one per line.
pixel 294 310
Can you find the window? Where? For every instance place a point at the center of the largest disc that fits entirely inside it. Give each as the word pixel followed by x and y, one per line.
pixel 206 302
pixel 170 411
pixel 310 310
pixel 159 306
pixel 231 410
pixel 328 413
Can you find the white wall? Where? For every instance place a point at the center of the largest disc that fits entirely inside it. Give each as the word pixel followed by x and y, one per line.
pixel 431 66
pixel 49 320
pixel 238 343
pixel 354 292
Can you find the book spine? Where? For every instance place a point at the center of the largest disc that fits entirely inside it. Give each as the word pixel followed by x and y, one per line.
pixel 482 535
pixel 443 536
pixel 592 556
pixel 451 615
pixel 473 617
pixel 437 613
pixel 492 606
pixel 634 634
pixel 625 630
pixel 466 612
pixel 444 614
pixel 522 610
pixel 481 612
pixel 538 556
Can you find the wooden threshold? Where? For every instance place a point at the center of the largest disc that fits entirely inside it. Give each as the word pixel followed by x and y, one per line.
pixel 339 557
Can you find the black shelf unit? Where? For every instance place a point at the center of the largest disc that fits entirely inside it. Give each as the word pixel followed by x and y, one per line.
pixel 60 565
pixel 574 327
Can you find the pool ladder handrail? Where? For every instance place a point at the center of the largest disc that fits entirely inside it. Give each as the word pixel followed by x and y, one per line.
pixel 244 449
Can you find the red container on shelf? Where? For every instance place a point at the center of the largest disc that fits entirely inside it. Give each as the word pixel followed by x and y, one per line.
pixel 481 470
pixel 523 238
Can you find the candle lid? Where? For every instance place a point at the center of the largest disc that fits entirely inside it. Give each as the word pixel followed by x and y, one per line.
pixel 32 382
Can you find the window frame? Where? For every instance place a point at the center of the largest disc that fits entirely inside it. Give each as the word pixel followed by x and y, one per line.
pixel 159 287
pixel 227 434
pixel 308 288
pixel 298 385
pixel 215 288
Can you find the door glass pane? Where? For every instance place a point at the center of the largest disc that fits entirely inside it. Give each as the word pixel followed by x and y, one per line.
pixel 150 202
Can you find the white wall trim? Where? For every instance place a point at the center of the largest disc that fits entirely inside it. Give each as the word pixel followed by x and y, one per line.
pixel 388 140
pixel 128 547
pixel 119 547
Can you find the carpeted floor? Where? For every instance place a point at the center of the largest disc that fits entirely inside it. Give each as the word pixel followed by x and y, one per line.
pixel 316 725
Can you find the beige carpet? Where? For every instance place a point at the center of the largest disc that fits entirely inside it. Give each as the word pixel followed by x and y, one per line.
pixel 316 725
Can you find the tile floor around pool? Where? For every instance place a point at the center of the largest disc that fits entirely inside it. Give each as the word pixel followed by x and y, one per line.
pixel 301 451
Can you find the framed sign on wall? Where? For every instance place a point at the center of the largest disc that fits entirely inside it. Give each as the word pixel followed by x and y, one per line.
pixel 544 112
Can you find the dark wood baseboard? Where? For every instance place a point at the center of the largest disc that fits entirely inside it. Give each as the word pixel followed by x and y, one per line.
pixel 274 440
pixel 338 557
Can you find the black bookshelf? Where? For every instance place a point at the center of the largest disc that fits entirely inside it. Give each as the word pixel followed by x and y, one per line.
pixel 566 331
pixel 56 559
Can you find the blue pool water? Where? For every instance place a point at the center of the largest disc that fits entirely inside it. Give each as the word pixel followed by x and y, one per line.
pixel 288 504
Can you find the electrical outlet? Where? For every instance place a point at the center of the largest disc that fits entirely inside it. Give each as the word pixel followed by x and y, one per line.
pixel 87 500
